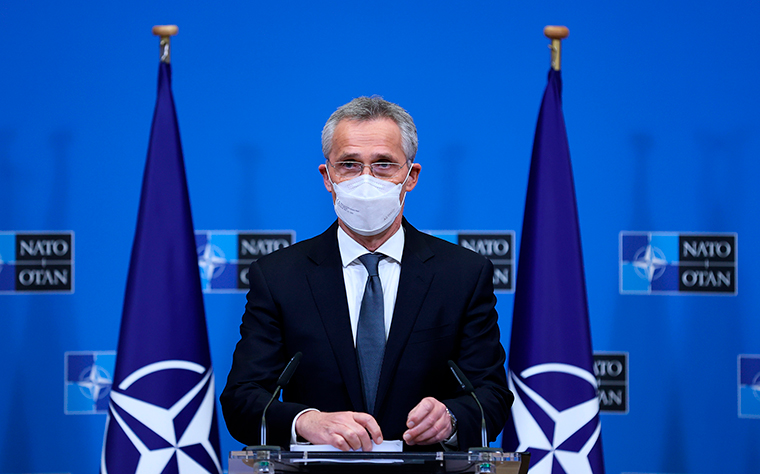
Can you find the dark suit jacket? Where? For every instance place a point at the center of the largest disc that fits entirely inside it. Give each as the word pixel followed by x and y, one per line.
pixel 297 302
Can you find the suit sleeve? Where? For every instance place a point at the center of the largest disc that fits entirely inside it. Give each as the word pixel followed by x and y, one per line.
pixel 258 361
pixel 481 357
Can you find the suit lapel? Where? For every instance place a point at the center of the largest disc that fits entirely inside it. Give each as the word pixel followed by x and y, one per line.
pixel 413 286
pixel 329 292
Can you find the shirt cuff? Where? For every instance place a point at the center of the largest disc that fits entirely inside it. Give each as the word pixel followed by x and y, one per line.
pixel 293 435
pixel 453 441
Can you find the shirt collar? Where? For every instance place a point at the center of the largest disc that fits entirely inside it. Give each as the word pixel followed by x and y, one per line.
pixel 351 250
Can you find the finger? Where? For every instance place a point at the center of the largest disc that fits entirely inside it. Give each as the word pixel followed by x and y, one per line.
pixel 370 425
pixel 433 426
pixel 361 436
pixel 419 428
pixel 358 438
pixel 414 435
pixel 339 442
pixel 362 423
pixel 434 434
pixel 366 442
pixel 423 438
pixel 419 412
pixel 434 416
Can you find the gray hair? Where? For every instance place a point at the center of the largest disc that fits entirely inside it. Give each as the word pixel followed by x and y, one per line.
pixel 372 108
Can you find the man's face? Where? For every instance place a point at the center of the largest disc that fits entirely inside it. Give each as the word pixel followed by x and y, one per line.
pixel 369 142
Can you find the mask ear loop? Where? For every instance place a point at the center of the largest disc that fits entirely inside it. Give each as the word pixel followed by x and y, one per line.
pixel 403 183
pixel 327 166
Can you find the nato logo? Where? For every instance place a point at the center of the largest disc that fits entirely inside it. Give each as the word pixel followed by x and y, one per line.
pixel 88 377
pixel 160 432
pixel 749 386
pixel 496 246
pixel 224 256
pixel 556 431
pixel 36 262
pixel 678 263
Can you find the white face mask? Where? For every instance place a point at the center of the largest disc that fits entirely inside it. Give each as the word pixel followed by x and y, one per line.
pixel 368 205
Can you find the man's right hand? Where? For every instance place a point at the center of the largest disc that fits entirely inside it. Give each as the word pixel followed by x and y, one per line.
pixel 344 429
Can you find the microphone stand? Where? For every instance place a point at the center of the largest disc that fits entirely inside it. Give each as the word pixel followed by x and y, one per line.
pixel 263 464
pixel 484 451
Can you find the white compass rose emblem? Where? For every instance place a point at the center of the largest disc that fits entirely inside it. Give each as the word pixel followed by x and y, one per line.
pixel 211 261
pixel 650 262
pixel 161 422
pixel 566 422
pixel 94 382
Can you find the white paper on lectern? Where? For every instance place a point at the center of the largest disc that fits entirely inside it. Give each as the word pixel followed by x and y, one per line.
pixel 393 446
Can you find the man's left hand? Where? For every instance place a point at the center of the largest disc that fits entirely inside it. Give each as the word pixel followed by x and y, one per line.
pixel 428 423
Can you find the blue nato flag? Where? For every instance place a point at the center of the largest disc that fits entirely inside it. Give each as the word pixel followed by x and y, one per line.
pixel 162 413
pixel 555 415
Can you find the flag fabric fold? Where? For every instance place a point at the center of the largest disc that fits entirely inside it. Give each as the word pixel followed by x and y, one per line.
pixel 162 410
pixel 555 415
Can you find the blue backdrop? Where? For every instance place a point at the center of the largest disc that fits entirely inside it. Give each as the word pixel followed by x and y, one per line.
pixel 660 102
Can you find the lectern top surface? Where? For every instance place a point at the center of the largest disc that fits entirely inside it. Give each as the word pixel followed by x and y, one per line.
pixel 276 461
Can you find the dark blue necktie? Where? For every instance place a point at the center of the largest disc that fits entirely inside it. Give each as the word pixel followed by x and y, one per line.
pixel 370 332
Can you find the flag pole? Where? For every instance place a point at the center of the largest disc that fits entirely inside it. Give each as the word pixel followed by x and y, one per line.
pixel 165 32
pixel 556 34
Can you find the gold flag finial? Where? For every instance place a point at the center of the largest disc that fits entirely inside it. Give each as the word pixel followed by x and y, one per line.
pixel 556 34
pixel 165 32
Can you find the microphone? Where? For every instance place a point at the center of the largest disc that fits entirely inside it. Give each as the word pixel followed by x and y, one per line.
pixel 289 370
pixel 287 373
pixel 464 382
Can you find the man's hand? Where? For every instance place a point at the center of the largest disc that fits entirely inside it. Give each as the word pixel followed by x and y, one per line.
pixel 344 429
pixel 428 423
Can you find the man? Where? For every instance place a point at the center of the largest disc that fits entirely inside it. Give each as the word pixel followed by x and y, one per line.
pixel 377 330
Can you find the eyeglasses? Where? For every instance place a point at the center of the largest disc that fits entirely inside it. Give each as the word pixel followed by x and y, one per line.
pixel 380 169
